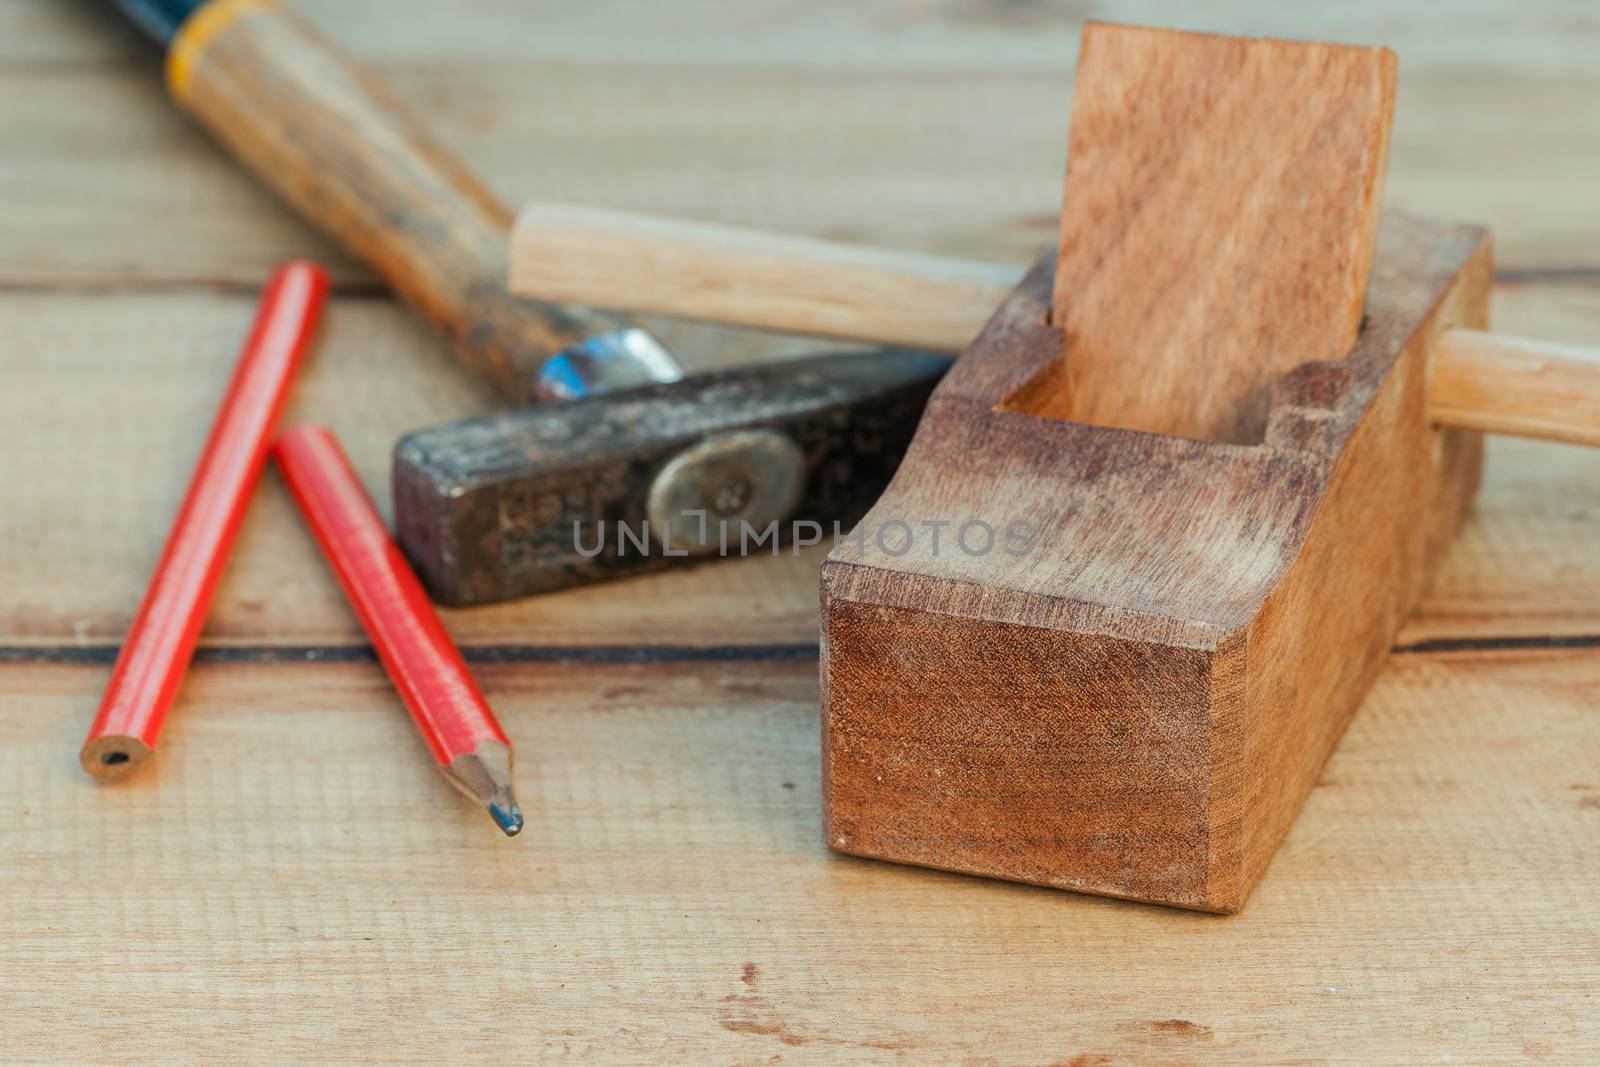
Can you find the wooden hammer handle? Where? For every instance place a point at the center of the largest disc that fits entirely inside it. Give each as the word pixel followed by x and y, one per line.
pixel 316 130
pixel 1513 385
pixel 1480 381
pixel 747 278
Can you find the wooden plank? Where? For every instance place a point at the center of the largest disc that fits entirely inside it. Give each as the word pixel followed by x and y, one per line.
pixel 1524 565
pixel 292 882
pixel 96 471
pixel 798 146
pixel 1219 224
pixel 634 138
pixel 1535 39
pixel 264 917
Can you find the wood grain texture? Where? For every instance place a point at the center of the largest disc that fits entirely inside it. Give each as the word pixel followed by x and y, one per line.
pixel 1514 385
pixel 1221 209
pixel 1136 700
pixel 743 277
pixel 1436 900
pixel 670 899
pixel 842 38
pixel 817 122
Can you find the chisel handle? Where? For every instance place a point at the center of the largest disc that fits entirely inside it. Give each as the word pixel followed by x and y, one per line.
pixel 1479 381
pixel 315 129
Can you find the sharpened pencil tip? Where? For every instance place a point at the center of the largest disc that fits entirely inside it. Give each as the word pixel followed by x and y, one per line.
pixel 509 820
pixel 485 775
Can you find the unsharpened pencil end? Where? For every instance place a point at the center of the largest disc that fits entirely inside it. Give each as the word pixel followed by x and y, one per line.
pixel 112 757
pixel 508 819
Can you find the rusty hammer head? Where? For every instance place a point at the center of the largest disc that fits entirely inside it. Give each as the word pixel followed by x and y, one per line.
pixel 748 459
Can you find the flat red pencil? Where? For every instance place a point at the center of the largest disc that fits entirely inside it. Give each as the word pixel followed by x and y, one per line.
pixel 424 664
pixel 158 648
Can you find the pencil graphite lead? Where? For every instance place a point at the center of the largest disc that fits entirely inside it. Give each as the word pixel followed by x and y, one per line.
pixel 486 777
pixel 508 819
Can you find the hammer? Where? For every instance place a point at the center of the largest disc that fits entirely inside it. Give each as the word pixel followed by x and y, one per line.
pixel 317 130
pixel 812 439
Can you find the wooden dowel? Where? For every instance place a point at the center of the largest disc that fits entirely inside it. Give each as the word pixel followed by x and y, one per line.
pixel 1512 385
pixel 615 259
pixel 579 255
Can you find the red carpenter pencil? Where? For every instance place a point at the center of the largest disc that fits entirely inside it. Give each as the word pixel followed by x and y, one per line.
pixel 158 648
pixel 424 664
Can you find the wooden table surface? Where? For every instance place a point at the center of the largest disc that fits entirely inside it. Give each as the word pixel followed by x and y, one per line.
pixel 291 881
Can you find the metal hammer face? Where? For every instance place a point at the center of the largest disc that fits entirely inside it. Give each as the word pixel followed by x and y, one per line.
pixel 728 463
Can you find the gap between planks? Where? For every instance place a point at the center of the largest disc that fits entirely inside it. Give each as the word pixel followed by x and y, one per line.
pixel 104 655
pixel 369 288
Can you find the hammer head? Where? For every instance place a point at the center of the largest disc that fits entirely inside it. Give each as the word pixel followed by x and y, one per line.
pixel 545 497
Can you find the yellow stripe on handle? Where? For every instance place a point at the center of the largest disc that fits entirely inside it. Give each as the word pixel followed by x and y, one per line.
pixel 310 125
pixel 198 31
pixel 591 256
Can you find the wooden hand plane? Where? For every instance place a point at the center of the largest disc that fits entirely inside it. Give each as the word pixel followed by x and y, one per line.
pixel 1207 457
